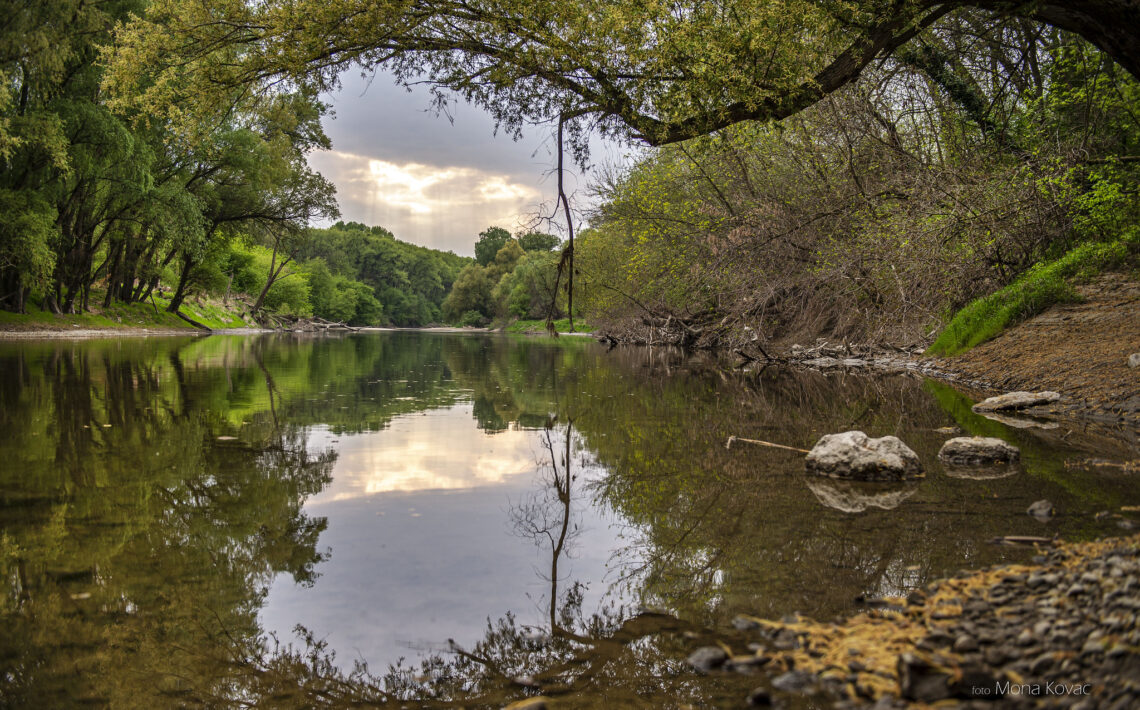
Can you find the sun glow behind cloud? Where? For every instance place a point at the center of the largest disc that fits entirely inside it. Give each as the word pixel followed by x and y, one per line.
pixel 436 206
pixel 435 450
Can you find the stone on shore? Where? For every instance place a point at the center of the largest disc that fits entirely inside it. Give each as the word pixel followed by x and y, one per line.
pixel 1016 400
pixel 854 455
pixel 977 451
pixel 1042 510
pixel 707 658
pixel 1134 360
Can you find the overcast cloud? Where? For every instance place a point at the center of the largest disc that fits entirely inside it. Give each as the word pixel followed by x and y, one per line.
pixel 428 179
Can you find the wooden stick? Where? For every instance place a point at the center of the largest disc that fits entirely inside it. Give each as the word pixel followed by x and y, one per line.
pixel 1022 540
pixel 728 444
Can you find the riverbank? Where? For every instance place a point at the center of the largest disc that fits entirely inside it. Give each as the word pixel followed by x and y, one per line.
pixel 1061 632
pixel 1080 350
pixel 150 318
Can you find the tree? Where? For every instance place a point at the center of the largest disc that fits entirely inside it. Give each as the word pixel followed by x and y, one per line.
pixel 470 293
pixel 491 240
pixel 659 72
pixel 538 241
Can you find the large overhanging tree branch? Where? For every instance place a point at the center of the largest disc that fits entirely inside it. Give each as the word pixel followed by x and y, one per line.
pixel 660 72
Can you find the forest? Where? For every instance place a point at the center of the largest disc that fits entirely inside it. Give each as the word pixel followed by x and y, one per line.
pixel 857 171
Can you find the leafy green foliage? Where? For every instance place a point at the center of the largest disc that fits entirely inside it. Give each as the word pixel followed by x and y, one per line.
pixel 539 241
pixel 490 241
pixel 470 296
pixel 407 282
pixel 663 72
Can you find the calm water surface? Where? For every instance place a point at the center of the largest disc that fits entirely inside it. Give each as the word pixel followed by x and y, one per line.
pixel 227 520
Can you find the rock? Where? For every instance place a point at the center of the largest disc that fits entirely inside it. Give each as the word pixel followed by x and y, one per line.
pixel 920 681
pixel 759 698
pixel 1042 510
pixel 856 496
pixel 854 455
pixel 965 643
pixel 1042 663
pixel 747 664
pixel 1134 360
pixel 793 681
pixel 977 450
pixel 707 658
pixel 1016 400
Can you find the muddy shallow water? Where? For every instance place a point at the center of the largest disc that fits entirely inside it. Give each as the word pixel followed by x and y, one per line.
pixel 499 513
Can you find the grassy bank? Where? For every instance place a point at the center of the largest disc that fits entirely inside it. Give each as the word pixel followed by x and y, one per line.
pixel 1042 286
pixel 119 316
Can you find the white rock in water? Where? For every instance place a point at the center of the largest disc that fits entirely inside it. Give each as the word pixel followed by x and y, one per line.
pixel 1016 400
pixel 976 450
pixel 856 456
pixel 1042 510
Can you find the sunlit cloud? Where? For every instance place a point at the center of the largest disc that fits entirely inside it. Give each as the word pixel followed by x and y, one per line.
pixel 436 450
pixel 441 207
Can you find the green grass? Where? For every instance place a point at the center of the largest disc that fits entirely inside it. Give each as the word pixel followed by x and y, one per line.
pixel 134 315
pixel 1034 291
pixel 539 326
pixel 211 315
pixel 125 315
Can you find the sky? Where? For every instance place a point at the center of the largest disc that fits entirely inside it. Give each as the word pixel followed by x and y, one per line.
pixel 434 181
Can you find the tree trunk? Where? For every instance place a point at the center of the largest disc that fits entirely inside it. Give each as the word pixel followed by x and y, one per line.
pixel 179 296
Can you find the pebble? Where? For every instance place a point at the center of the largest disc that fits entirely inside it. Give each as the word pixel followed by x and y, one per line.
pixel 707 658
pixel 1070 621
pixel 793 681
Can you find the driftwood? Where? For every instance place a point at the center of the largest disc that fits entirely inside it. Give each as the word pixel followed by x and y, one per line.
pixel 304 325
pixel 1022 540
pixel 728 444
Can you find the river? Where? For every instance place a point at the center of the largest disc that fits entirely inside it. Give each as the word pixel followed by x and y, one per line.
pixel 213 521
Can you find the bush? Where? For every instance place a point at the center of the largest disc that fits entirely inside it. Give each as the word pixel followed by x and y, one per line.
pixel 472 318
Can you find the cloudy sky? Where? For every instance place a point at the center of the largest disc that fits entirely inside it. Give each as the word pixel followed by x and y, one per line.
pixel 431 180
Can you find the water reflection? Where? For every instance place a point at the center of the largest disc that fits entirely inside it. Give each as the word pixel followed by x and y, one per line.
pixel 435 450
pixel 131 541
pixel 854 497
pixel 165 503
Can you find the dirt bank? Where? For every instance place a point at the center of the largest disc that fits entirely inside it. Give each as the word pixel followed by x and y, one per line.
pixel 1080 350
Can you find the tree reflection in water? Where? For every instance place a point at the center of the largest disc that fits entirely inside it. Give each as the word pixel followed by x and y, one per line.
pixel 606 658
pixel 150 492
pixel 134 541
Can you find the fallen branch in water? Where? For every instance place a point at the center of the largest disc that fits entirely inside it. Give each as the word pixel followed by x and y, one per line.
pixel 728 444
pixel 1023 540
